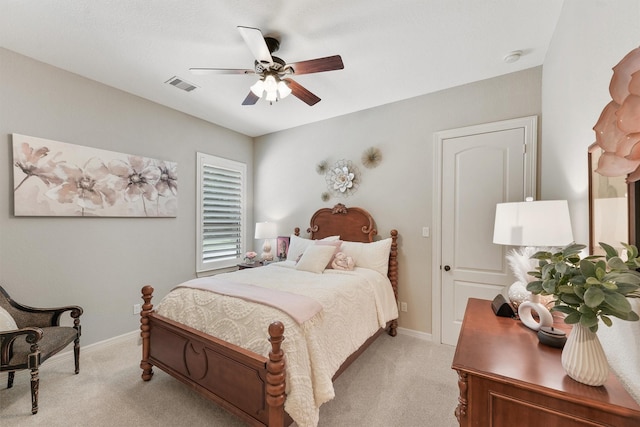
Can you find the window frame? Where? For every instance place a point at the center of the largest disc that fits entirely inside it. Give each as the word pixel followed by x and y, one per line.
pixel 204 160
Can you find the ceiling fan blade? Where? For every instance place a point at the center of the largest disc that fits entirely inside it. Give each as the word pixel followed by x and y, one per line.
pixel 220 71
pixel 255 40
pixel 318 65
pixel 301 93
pixel 251 99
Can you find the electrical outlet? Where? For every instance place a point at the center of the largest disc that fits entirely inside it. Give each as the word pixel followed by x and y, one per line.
pixel 137 308
pixel 403 306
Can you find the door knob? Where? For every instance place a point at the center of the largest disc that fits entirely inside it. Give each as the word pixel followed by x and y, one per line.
pixel 447 268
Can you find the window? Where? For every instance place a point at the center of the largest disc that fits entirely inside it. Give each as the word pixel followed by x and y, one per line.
pixel 221 221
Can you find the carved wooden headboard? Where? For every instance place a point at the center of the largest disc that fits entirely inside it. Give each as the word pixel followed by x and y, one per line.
pixel 354 225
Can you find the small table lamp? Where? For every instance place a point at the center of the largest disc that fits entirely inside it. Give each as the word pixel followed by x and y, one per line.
pixel 530 224
pixel 267 231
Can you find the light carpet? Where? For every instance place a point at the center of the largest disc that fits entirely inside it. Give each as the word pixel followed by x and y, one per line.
pixel 400 381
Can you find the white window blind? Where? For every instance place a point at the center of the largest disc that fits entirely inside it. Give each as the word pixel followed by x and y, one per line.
pixel 222 212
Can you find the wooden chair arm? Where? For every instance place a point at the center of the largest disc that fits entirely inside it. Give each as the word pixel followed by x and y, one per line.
pixel 76 312
pixel 43 317
pixel 32 336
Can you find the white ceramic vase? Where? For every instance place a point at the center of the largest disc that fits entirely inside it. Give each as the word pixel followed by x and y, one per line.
pixel 583 358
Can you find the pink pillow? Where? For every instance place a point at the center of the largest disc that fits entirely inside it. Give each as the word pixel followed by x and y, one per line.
pixel 335 243
pixel 342 262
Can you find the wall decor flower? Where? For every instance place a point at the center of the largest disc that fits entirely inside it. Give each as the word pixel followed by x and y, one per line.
pixel 325 196
pixel 618 129
pixel 32 163
pixel 343 178
pixel 371 157
pixel 87 187
pixel 81 181
pixel 322 167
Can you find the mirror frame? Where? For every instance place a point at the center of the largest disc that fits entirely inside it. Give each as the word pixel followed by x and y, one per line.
pixel 633 198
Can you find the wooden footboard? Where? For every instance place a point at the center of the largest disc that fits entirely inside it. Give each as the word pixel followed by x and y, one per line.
pixel 244 383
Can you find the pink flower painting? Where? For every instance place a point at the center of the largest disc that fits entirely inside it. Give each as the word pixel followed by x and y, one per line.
pixel 75 180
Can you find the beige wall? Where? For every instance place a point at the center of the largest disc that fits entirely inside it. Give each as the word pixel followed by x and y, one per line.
pixel 590 38
pixel 99 263
pixel 398 193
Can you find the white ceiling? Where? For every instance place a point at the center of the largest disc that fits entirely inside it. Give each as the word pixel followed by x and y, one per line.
pixel 391 49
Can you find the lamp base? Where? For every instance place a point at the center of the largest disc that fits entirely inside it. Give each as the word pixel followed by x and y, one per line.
pixel 266 251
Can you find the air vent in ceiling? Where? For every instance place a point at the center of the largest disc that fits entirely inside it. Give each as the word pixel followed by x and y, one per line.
pixel 181 84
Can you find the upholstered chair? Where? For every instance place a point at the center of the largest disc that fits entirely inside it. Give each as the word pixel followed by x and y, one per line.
pixel 29 336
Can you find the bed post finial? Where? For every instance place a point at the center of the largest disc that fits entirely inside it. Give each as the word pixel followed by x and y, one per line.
pixel 393 275
pixel 147 307
pixel 276 375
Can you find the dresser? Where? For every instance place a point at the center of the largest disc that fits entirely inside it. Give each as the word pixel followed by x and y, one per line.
pixel 507 378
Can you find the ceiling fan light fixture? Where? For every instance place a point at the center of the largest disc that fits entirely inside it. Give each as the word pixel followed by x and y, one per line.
pixel 271 96
pixel 270 83
pixel 258 88
pixel 271 70
pixel 283 89
pixel 272 87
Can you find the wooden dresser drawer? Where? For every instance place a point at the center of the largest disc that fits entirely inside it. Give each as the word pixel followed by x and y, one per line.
pixel 507 378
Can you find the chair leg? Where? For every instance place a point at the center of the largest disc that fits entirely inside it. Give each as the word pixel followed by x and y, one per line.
pixel 76 353
pixel 35 383
pixel 10 379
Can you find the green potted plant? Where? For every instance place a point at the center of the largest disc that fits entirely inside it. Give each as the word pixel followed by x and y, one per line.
pixel 587 290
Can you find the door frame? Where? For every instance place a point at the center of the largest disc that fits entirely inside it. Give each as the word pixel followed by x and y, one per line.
pixel 530 126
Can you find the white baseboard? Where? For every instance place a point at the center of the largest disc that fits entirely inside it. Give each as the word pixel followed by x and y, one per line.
pixel 416 334
pixel 100 345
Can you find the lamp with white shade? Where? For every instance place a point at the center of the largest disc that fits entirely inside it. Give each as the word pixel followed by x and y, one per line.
pixel 267 231
pixel 530 225
pixel 533 223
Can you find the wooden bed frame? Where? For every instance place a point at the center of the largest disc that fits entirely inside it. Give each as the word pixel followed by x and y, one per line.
pixel 247 384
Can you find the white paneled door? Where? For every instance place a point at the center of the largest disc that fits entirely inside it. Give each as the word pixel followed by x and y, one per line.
pixel 480 167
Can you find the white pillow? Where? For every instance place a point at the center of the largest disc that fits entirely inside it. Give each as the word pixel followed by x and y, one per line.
pixel 335 243
pixel 315 258
pixel 297 245
pixel 6 321
pixel 374 255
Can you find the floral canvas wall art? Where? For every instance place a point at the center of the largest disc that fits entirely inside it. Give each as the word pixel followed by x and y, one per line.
pixel 59 179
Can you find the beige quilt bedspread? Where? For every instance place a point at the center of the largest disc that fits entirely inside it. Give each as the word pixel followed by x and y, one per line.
pixel 355 304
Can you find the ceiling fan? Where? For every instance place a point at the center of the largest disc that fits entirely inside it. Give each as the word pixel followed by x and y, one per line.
pixel 274 73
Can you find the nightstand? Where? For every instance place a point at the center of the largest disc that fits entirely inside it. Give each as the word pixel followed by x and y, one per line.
pixel 244 265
